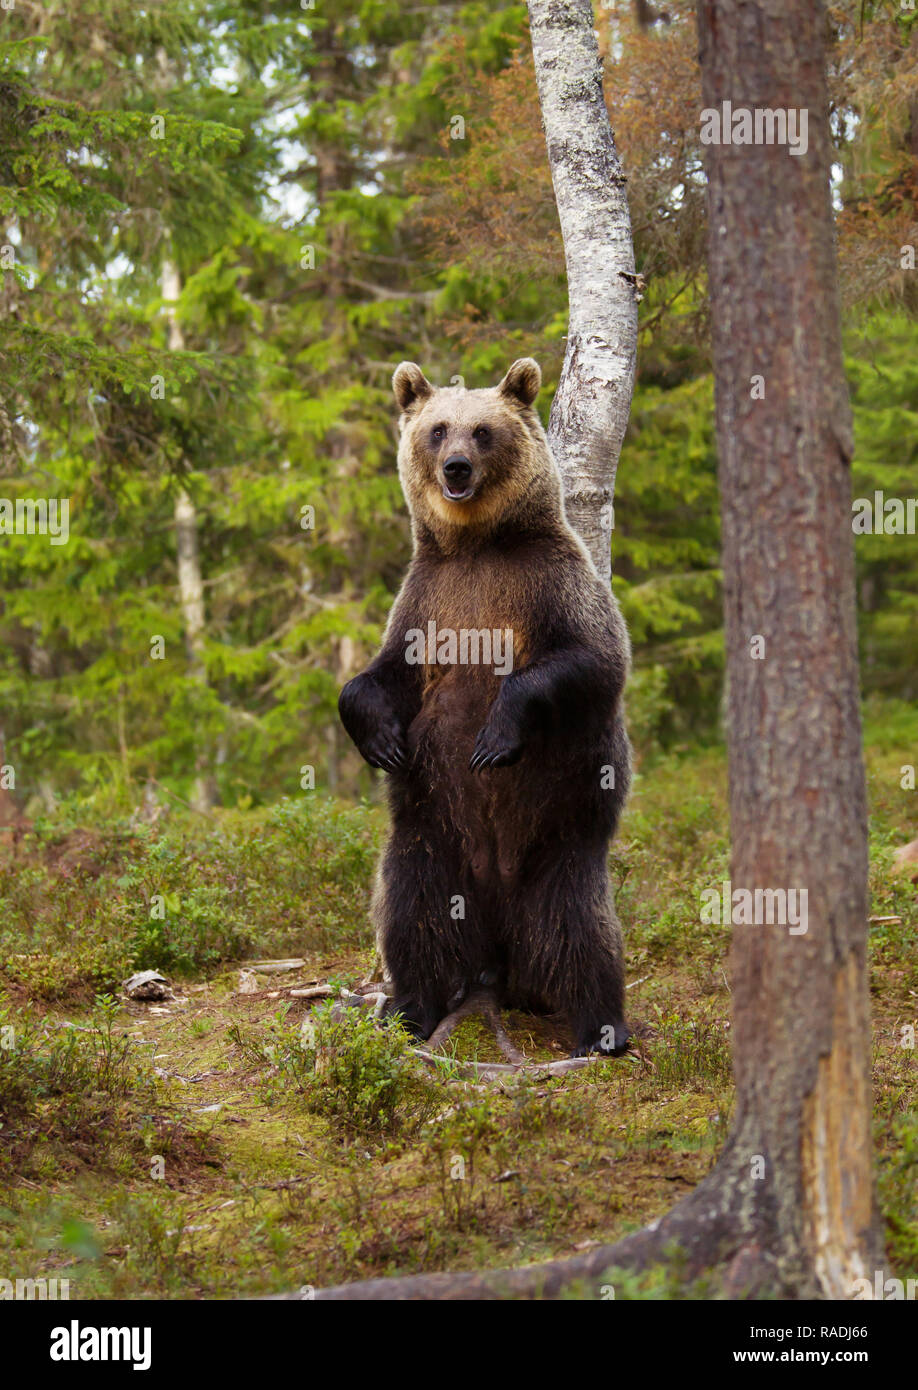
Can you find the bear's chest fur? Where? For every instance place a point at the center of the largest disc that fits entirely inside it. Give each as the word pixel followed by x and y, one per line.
pixel 477 616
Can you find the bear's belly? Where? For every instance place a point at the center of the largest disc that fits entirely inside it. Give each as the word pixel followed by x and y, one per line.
pixel 503 825
pixel 456 703
pixel 493 820
pixel 460 812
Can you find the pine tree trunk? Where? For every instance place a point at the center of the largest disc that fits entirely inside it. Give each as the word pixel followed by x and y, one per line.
pixel 797 794
pixel 589 414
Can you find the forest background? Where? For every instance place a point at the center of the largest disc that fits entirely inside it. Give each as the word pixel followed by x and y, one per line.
pixel 223 223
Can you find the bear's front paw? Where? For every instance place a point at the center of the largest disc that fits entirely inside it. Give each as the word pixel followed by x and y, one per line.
pixel 367 715
pixel 384 748
pixel 496 747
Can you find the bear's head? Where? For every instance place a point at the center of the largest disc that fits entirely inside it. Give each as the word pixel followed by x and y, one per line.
pixel 474 460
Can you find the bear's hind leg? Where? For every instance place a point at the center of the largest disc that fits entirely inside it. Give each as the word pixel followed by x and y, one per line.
pixel 566 950
pixel 431 954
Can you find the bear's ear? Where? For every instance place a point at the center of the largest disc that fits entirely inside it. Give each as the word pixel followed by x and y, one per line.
pixel 410 385
pixel 523 381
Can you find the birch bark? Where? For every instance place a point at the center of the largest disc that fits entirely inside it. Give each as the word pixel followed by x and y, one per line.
pixel 589 414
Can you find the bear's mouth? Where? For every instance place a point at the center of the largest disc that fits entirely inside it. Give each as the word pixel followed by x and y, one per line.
pixel 458 492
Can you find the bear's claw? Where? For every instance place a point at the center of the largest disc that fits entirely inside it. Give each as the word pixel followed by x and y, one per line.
pixel 386 753
pixel 493 752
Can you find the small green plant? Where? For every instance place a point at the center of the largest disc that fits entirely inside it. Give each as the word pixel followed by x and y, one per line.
pixel 361 1076
pixel 115 1071
pixel 200 928
pixel 897 1186
pixel 364 1078
pixel 458 1141
pixel 688 1051
pixel 153 1230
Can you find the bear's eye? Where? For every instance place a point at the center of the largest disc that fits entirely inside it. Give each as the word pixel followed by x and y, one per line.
pixel 438 432
pixel 482 434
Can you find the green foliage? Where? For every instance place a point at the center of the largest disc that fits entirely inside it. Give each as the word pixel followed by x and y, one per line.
pixel 298 171
pixel 197 933
pixel 279 401
pixel 82 910
pixel 85 966
pixel 882 368
pixel 689 1050
pixel 337 1128
pixel 364 1078
pixel 897 1182
pixel 658 1283
pixel 361 1076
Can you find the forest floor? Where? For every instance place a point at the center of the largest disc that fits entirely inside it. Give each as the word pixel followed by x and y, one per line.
pixel 210 1146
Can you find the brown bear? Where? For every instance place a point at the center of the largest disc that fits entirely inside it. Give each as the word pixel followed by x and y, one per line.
pixel 495 706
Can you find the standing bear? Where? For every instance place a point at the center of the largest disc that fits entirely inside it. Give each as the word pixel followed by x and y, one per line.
pixel 495 706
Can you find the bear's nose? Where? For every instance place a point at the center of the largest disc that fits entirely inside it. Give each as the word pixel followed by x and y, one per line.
pixel 457 468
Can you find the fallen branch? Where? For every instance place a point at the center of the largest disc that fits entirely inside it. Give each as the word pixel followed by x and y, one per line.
pixel 482 1002
pixel 375 996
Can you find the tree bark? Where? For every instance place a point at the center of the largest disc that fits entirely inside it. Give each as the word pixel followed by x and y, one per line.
pixel 797 794
pixel 590 411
